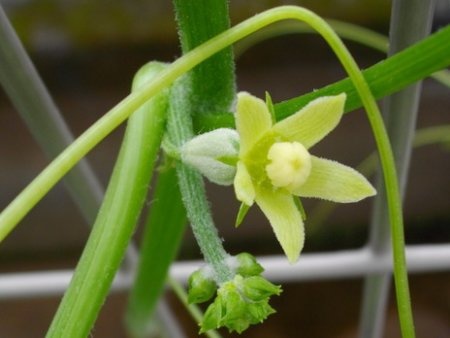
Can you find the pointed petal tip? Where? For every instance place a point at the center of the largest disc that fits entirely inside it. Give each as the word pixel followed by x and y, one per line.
pixel 292 252
pixel 292 259
pixel 336 182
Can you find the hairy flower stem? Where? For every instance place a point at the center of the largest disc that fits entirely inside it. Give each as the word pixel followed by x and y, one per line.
pixel 180 130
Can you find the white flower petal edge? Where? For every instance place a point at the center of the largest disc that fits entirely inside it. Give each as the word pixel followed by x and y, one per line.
pixel 285 219
pixel 314 121
pixel 335 182
pixel 252 120
pixel 243 185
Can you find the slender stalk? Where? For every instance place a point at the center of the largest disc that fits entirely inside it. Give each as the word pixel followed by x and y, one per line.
pixel 208 87
pixel 35 106
pixel 179 130
pixel 410 22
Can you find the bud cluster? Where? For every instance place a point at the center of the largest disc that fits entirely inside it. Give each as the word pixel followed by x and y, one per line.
pixel 240 302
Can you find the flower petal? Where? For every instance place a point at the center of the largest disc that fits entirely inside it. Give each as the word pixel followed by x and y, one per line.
pixel 335 182
pixel 243 185
pixel 314 121
pixel 285 219
pixel 252 120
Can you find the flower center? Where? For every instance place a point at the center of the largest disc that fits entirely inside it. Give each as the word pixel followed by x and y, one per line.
pixel 290 165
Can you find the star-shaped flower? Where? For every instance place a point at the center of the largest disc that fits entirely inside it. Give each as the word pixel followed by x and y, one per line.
pixel 275 165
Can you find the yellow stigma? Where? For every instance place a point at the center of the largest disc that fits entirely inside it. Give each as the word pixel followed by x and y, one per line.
pixel 290 165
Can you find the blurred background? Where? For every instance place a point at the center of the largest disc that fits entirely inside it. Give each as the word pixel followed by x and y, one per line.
pixel 87 53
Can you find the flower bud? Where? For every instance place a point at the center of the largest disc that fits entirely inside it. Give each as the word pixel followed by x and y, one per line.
pixel 247 265
pixel 201 287
pixel 213 154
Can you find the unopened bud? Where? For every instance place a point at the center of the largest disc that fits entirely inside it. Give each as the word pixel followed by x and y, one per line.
pixel 213 154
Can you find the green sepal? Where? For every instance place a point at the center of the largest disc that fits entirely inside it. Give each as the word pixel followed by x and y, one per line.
pixel 300 208
pixel 271 108
pixel 229 160
pixel 243 209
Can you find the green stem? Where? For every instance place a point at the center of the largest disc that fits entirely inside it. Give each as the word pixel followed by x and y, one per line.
pixel 115 222
pixel 26 90
pixel 208 87
pixel 163 232
pixel 212 83
pixel 179 130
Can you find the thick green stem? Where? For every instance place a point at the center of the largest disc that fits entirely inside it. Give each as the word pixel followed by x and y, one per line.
pixel 212 83
pixel 115 222
pixel 163 232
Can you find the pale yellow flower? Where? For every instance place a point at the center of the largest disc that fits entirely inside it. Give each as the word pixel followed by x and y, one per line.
pixel 275 165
